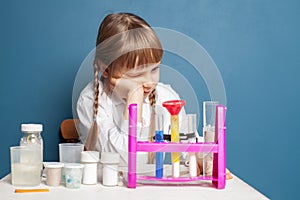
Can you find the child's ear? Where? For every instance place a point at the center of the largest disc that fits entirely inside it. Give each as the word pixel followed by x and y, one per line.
pixel 105 73
pixel 103 68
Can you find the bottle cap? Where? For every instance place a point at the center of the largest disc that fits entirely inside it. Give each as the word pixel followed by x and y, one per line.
pixel 31 127
pixel 53 165
pixel 110 158
pixel 89 156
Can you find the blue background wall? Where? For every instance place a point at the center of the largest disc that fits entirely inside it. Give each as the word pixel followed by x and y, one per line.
pixel 255 44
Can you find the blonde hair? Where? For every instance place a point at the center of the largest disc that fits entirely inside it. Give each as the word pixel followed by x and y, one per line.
pixel 124 41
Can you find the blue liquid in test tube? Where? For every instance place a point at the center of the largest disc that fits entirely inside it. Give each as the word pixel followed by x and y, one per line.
pixel 159 137
pixel 159 155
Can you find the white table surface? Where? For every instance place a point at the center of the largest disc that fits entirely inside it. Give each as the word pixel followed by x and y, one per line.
pixel 235 189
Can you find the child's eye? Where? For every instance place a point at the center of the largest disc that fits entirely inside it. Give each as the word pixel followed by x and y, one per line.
pixel 134 75
pixel 155 69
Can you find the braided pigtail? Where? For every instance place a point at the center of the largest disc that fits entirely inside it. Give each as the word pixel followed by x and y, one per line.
pixel 90 144
pixel 152 100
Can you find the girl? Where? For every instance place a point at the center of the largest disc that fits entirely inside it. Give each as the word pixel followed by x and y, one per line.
pixel 128 55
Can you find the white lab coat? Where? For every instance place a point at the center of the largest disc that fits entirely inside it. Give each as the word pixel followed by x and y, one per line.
pixel 113 129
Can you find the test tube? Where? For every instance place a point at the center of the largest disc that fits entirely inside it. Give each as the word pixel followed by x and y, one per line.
pixel 192 127
pixel 174 107
pixel 209 116
pixel 159 137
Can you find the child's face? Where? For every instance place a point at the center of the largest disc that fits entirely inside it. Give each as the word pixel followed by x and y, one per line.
pixel 146 77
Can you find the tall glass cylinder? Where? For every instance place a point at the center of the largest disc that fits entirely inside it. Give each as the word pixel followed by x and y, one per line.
pixel 209 117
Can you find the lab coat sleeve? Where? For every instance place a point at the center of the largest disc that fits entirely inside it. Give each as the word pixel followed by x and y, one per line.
pixel 85 115
pixel 112 137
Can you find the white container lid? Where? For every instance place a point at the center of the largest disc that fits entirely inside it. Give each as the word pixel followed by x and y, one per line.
pixel 90 156
pixel 73 166
pixel 110 158
pixel 31 127
pixel 53 165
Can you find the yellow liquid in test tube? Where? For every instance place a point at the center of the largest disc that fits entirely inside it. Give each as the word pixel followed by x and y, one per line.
pixel 175 136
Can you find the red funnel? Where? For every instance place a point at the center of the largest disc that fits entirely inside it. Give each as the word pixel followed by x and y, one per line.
pixel 174 106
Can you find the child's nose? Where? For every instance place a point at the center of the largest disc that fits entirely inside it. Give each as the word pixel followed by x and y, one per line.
pixel 148 81
pixel 147 84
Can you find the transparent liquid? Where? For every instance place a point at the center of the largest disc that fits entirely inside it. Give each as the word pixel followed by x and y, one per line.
pixel 26 174
pixel 209 136
pixel 208 164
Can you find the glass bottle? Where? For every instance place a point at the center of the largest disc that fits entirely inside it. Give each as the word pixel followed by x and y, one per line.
pixel 28 170
pixel 31 136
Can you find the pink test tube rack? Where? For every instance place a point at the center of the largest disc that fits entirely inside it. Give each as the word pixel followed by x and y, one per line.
pixel 218 147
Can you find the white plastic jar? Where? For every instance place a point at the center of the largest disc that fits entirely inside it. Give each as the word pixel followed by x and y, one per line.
pixel 53 173
pixel 110 163
pixel 90 161
pixel 73 175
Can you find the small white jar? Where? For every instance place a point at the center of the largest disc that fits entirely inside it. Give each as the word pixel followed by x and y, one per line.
pixel 73 175
pixel 110 163
pixel 90 161
pixel 53 173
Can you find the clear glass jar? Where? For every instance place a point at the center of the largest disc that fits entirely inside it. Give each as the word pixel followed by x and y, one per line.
pixel 31 136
